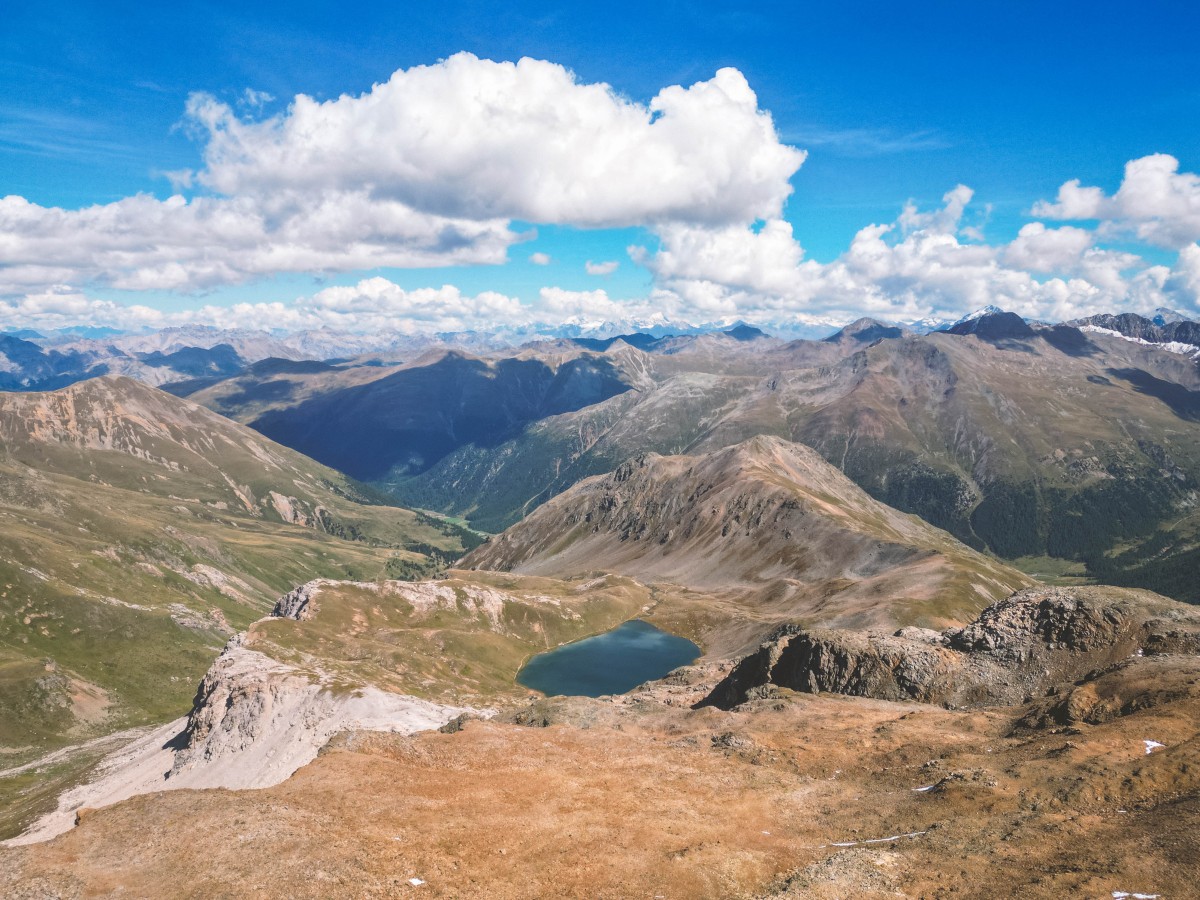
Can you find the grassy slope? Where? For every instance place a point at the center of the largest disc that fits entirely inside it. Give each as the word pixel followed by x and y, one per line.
pixel 464 647
pixel 137 532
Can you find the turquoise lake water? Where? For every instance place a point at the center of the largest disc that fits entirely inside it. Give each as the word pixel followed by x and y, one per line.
pixel 609 663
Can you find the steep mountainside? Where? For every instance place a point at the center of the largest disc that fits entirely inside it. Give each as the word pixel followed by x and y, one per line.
pixel 406 421
pixel 767 523
pixel 1053 442
pixel 274 382
pixel 138 531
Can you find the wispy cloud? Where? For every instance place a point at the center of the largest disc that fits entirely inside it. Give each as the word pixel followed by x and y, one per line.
pixel 54 134
pixel 868 141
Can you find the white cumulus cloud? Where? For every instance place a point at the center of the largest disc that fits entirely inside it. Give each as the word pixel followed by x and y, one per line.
pixel 142 243
pixel 920 265
pixel 601 268
pixel 472 138
pixel 1156 202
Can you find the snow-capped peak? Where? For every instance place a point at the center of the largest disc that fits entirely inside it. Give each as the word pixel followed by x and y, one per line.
pixel 988 310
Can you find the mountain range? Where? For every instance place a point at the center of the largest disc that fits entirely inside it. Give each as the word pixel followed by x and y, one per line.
pixel 1042 443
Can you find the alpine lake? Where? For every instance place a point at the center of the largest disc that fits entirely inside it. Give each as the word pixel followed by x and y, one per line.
pixel 610 663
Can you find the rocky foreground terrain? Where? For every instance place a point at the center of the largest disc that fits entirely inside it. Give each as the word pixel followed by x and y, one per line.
pixel 1079 775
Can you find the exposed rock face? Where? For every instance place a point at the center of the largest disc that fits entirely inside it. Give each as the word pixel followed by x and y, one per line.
pixel 299 603
pixel 254 722
pixel 260 720
pixel 1017 649
pixel 1139 328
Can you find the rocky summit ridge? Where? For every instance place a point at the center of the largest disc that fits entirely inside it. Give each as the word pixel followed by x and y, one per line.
pixel 767 521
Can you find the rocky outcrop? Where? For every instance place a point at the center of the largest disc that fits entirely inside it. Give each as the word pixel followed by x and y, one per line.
pixel 1016 650
pixel 256 720
pixel 887 667
pixel 299 603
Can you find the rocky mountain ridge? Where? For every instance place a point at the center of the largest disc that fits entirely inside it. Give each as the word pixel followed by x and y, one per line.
pixel 1174 333
pixel 1016 650
pixel 766 520
pixel 1009 443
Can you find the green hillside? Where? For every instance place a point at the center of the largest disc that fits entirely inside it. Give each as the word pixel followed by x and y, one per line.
pixel 138 532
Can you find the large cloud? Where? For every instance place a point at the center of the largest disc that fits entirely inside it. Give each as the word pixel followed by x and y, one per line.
pixel 433 167
pixel 471 138
pixel 427 169
pixel 1156 202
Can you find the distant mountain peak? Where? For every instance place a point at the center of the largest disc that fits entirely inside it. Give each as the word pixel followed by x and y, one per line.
pixel 744 332
pixel 992 323
pixel 866 331
pixel 1164 316
pixel 982 312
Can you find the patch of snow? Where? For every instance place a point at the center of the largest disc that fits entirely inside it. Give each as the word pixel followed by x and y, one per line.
pixel 417 882
pixel 1151 746
pixel 921 790
pixel 988 310
pixel 1169 346
pixel 1122 895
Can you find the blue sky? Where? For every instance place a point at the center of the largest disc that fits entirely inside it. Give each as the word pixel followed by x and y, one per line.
pixel 892 102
